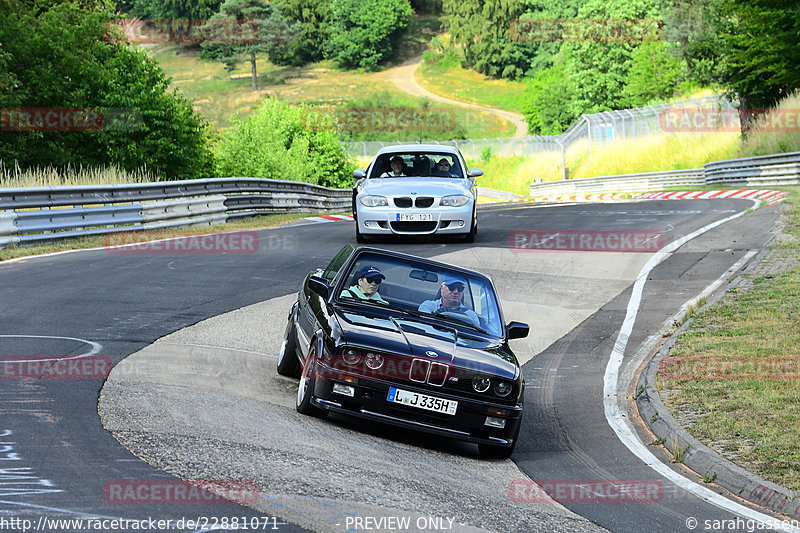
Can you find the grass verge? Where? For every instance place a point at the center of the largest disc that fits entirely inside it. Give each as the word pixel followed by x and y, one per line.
pixel 466 85
pixel 218 95
pixel 751 417
pixel 100 241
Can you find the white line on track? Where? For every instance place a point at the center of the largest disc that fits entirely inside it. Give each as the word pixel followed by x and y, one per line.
pixel 96 347
pixel 620 424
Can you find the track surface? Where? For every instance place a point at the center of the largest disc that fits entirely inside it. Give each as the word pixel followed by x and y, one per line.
pixel 125 302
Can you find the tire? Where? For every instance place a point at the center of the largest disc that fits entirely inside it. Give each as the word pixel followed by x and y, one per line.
pixel 288 363
pixel 306 385
pixel 360 236
pixel 470 237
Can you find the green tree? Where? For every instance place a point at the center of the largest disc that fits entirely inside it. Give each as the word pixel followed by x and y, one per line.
pixel 763 50
pixel 364 33
pixel 283 142
pixel 272 35
pixel 481 29
pixel 549 98
pixel 56 55
pixel 170 9
pixel 314 19
pixel 599 63
pixel 694 29
pixel 654 74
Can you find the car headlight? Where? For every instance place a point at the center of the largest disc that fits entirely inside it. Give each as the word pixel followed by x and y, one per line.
pixel 502 388
pixel 373 360
pixel 481 384
pixel 372 200
pixel 456 200
pixel 351 356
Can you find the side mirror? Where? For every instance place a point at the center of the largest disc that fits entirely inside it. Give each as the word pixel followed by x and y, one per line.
pixel 517 330
pixel 359 174
pixel 475 172
pixel 320 286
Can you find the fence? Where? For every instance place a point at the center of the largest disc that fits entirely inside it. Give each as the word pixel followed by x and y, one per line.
pixel 761 171
pixel 34 214
pixel 592 129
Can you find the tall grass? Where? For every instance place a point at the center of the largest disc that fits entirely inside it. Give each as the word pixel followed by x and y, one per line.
pixel 775 134
pixel 50 176
pixel 645 154
pixel 656 153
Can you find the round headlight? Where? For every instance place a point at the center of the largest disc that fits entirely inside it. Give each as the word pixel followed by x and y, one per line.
pixel 374 360
pixel 481 384
pixel 502 388
pixel 351 356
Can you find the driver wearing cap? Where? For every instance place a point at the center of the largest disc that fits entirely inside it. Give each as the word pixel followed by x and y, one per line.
pixel 366 288
pixel 452 293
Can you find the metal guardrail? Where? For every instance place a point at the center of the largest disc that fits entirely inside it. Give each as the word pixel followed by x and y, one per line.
pixel 35 214
pixel 760 171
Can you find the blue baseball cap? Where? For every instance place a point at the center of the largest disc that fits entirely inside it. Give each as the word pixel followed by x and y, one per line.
pixel 368 271
pixel 450 279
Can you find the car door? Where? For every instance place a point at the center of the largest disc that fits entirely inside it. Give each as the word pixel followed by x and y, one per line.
pixel 312 304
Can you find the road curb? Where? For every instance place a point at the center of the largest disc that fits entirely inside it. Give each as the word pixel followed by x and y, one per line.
pixel 705 462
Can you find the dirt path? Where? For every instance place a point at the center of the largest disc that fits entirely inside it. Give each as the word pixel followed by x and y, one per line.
pixel 404 78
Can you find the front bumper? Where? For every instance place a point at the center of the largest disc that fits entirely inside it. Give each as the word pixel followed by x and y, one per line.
pixel 467 424
pixel 385 220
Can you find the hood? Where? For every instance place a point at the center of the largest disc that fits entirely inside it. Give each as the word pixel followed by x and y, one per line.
pixel 420 186
pixel 396 333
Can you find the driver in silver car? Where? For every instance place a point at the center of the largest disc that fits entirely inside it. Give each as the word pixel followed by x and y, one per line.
pixel 452 293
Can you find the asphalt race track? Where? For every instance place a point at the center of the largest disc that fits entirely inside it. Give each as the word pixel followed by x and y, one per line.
pixel 205 404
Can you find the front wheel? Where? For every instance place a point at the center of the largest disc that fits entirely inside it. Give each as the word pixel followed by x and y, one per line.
pixel 306 386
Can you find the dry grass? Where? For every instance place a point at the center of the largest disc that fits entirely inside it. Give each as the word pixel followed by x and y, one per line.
pixel 779 133
pixel 49 176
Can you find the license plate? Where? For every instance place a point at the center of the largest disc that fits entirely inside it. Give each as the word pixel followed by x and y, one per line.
pixel 414 217
pixel 422 401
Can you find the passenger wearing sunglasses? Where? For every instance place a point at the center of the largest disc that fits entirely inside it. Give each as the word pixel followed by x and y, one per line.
pixel 366 288
pixel 453 289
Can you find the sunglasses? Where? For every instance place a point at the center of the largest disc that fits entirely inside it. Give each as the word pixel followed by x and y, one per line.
pixel 456 287
pixel 374 279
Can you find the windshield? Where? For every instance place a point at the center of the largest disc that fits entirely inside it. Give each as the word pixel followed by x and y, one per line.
pixel 416 288
pixel 420 164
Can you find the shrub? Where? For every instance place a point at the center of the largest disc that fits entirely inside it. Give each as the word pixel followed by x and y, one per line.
pixel 288 143
pixel 364 32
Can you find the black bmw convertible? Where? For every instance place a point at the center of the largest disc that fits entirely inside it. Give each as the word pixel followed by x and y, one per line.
pixel 409 342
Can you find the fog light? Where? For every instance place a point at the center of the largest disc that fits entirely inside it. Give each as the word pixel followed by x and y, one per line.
pixel 366 223
pixel 460 223
pixel 347 390
pixel 495 422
